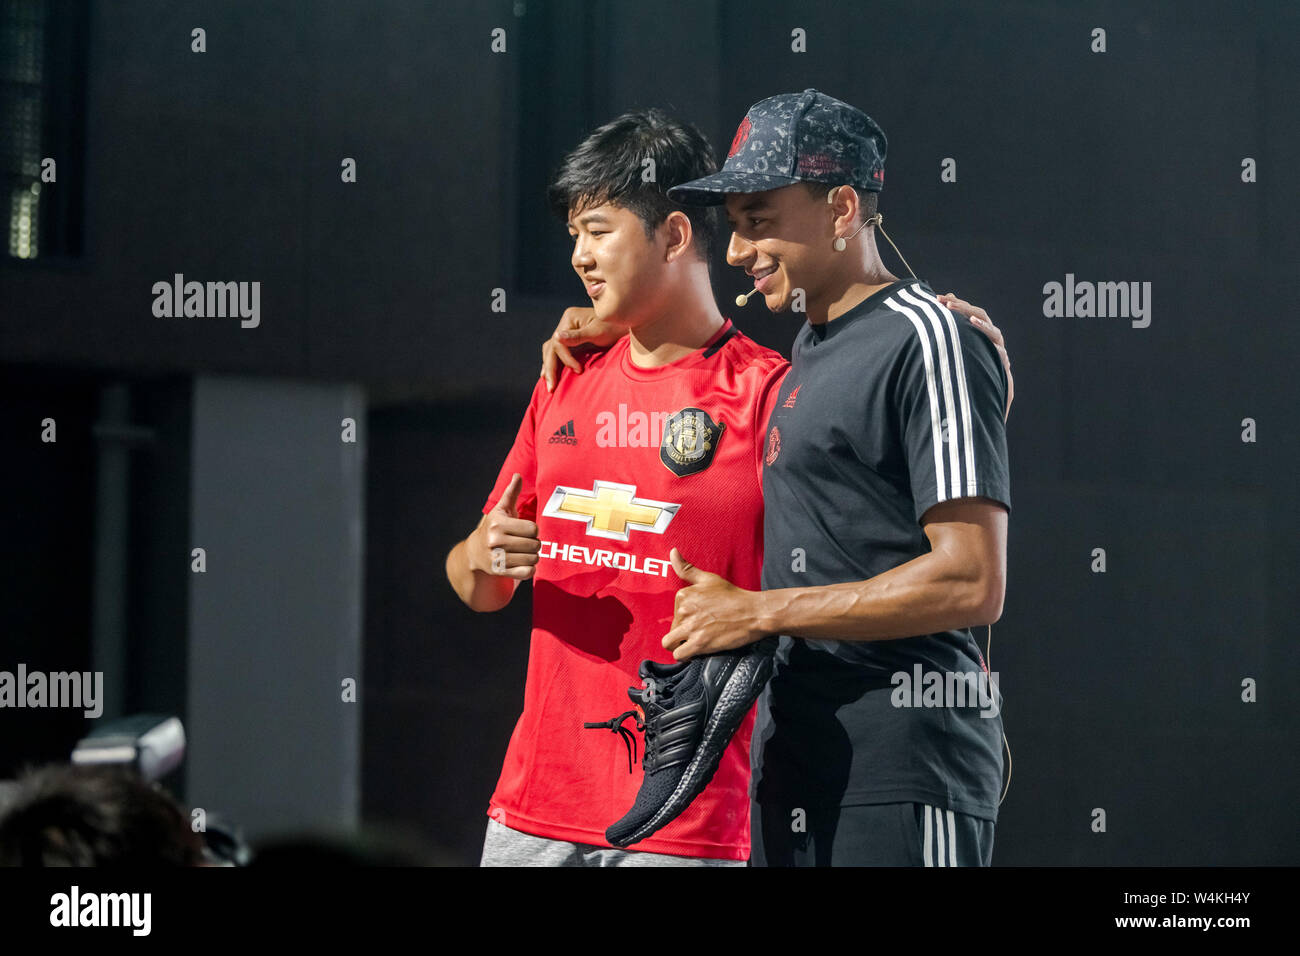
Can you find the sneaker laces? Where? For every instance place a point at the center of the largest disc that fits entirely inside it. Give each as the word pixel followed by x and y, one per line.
pixel 615 724
pixel 655 689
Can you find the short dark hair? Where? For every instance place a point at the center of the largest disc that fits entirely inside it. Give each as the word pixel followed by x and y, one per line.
pixel 68 815
pixel 607 166
pixel 868 199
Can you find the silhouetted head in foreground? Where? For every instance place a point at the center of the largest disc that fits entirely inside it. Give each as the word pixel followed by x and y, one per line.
pixel 66 815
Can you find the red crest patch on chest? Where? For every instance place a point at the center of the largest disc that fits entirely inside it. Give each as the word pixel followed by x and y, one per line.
pixel 773 445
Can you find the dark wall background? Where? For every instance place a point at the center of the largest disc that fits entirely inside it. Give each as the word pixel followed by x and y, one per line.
pixel 1122 689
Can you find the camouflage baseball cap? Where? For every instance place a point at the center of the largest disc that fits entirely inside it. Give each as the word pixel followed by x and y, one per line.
pixel 791 138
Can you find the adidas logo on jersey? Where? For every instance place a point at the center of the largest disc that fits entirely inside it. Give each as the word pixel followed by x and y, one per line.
pixel 564 435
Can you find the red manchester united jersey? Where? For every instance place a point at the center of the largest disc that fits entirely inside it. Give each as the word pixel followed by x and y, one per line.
pixel 619 465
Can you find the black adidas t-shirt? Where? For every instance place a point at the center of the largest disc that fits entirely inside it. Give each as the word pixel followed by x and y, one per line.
pixel 887 410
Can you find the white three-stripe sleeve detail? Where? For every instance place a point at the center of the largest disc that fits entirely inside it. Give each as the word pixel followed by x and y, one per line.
pixel 936 435
pixel 959 372
pixel 943 345
pixel 952 839
pixel 968 433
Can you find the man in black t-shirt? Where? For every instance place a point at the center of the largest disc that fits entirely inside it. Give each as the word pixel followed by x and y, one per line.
pixel 886 493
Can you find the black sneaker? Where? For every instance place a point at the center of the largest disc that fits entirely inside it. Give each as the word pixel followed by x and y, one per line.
pixel 689 712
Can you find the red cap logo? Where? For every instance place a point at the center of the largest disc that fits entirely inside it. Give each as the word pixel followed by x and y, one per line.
pixel 742 134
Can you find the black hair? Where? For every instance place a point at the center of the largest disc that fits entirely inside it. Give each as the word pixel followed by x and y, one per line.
pixel 868 199
pixel 607 167
pixel 67 815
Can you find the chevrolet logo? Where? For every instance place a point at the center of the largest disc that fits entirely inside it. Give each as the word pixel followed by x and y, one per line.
pixel 610 509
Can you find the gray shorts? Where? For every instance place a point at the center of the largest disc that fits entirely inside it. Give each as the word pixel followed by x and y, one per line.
pixel 506 847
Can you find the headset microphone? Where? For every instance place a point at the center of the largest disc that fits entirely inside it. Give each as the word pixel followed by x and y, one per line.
pixel 841 244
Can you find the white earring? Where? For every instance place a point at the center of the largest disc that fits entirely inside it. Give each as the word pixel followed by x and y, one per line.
pixel 839 244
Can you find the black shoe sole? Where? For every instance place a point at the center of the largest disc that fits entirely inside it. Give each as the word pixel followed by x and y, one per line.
pixel 743 686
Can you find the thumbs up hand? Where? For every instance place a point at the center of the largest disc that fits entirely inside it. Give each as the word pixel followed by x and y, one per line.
pixel 710 614
pixel 505 544
pixel 509 502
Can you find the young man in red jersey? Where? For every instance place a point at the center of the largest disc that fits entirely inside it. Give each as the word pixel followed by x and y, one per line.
pixel 656 445
pixel 920 795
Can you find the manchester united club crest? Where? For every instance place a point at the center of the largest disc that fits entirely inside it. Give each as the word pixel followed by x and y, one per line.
pixel 690 439
pixel 773 445
pixel 742 134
